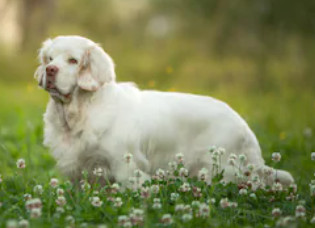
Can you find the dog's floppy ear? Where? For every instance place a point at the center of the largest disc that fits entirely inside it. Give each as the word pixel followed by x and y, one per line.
pixel 97 68
pixel 42 57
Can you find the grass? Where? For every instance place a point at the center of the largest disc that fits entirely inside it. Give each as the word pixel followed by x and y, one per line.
pixel 282 121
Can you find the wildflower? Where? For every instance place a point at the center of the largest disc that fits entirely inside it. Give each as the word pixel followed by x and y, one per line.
pixel 128 157
pixel 118 202
pixel 277 187
pixel 231 162
pixel 70 219
pixel 138 173
pixel 224 203
pixel 212 201
pixel 268 171
pixel 157 203
pixel 276 156
pixel 85 185
pixel 54 182
pixel 185 187
pixel 242 158
pixel 95 201
pixel 60 210
pixel 172 165
pixel 293 188
pixel 33 203
pixel 233 204
pixel 202 174
pixel 179 207
pixel 243 191
pixel 21 163
pixel 187 208
pixel 115 188
pixel 223 182
pixel 27 196
pixel 98 172
pixel 61 201
pixel 155 189
pixel 312 221
pixel 285 221
pixel 203 211
pixel 276 212
pixel 160 173
pixel 145 192
pixel 11 224
pixel 136 217
pixel 186 217
pixel 180 158
pixel 251 167
pixel 36 213
pixel 174 196
pixel 253 195
pixel 313 156
pixel 183 172
pixel 122 220
pixel 197 192
pixel 300 211
pixel 60 192
pixel 195 203
pixel 23 223
pixel 167 219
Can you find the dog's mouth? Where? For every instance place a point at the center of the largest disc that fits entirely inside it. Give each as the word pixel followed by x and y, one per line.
pixel 54 92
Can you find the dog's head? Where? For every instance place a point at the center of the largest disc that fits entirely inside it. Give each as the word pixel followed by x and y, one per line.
pixel 68 62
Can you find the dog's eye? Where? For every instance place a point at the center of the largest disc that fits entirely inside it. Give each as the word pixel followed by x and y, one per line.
pixel 72 61
pixel 50 58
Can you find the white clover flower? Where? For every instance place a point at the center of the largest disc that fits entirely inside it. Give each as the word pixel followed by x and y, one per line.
pixel 212 201
pixel 174 196
pixel 172 165
pixel 232 156
pixel 85 185
pixel 277 187
pixel 160 173
pixel 70 219
pixel 255 179
pixel 223 182
pixel 268 171
pixel 187 208
pixel 183 172
pixel 179 207
pixel 33 203
pixel 300 211
pixel 185 187
pixel 276 156
pixel 231 162
pixel 312 221
pixel 118 202
pixel 313 156
pixel 251 167
pixel 122 220
pixel 155 189
pixel 186 217
pixel 36 213
pixel 195 203
pixel 253 195
pixel 136 217
pixel 167 219
pixel 61 201
pixel 204 210
pixel 27 196
pixel 54 182
pixel 233 205
pixel 276 212
pixel 115 188
pixel 60 210
pixel 242 158
pixel 98 172
pixel 21 163
pixel 145 192
pixel 224 203
pixel 180 158
pixel 96 201
pixel 203 174
pixel 243 191
pixel 23 223
pixel 157 203
pixel 128 157
pixel 11 223
pixel 60 192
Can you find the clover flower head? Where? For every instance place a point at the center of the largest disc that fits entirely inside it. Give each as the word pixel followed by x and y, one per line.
pixel 21 163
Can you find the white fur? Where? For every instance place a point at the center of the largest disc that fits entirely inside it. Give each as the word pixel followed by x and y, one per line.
pixel 104 120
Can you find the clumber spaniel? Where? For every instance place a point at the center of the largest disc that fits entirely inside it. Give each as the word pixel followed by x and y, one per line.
pixel 92 121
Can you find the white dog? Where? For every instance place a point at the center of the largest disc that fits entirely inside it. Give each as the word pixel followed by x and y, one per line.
pixel 92 121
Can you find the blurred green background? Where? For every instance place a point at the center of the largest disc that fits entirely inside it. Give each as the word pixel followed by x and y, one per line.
pixel 257 55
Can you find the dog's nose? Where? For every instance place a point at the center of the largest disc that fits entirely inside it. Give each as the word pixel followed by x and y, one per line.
pixel 51 70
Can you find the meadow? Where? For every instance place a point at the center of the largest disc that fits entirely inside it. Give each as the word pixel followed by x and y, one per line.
pixel 37 195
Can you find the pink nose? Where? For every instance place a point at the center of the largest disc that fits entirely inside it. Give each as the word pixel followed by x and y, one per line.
pixel 51 71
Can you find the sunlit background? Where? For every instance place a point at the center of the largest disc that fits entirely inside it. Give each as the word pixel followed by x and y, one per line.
pixel 257 55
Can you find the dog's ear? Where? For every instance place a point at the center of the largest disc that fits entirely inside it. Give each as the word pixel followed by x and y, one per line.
pixel 43 60
pixel 96 69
